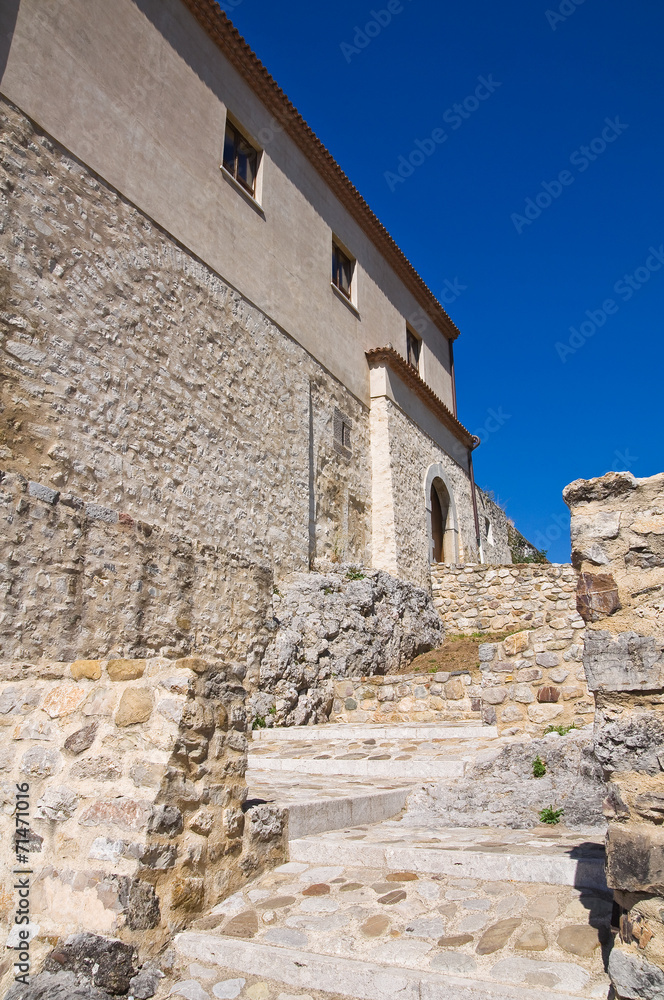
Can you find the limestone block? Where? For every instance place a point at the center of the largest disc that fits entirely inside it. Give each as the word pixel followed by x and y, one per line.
pixel 494 695
pixel 454 689
pixel 559 675
pixel 91 669
pixel 544 713
pixel 58 804
pixel 523 694
pixel 634 976
pixel 626 662
pixel 41 762
pixel 547 659
pixel 135 706
pixel 64 699
pixel 130 814
pixel 604 525
pixel 101 702
pixel 513 713
pixel 126 670
pixel 528 675
pixel 635 857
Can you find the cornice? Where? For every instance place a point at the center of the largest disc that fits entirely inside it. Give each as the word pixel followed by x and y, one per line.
pixel 229 40
pixel 393 360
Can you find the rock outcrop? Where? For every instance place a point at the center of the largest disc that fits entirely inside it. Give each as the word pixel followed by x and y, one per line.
pixel 344 623
pixel 500 789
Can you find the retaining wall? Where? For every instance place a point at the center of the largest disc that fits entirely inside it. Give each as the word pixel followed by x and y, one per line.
pixel 481 597
pixel 413 697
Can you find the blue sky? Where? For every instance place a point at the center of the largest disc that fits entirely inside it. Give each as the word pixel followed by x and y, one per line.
pixel 559 298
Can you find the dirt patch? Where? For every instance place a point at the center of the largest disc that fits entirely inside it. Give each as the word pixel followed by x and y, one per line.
pixel 458 652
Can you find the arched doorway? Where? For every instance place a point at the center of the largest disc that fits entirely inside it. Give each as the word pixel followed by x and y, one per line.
pixel 441 518
pixel 440 508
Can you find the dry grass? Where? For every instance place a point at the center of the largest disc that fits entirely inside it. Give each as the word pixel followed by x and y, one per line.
pixel 458 652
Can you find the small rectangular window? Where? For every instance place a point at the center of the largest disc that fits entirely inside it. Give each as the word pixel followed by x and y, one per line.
pixel 343 426
pixel 240 158
pixel 342 270
pixel 413 349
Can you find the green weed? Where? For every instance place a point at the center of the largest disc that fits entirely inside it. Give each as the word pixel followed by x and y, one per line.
pixel 551 815
pixel 539 768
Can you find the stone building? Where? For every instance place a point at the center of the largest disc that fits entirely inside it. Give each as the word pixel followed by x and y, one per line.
pixel 204 327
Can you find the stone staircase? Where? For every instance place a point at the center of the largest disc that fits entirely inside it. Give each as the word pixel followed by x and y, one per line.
pixel 373 904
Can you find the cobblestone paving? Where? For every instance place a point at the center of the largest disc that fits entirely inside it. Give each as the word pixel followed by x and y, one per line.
pixel 537 842
pixel 287 788
pixel 371 750
pixel 505 932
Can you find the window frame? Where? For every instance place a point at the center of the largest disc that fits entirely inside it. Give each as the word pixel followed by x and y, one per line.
pixel 342 433
pixel 411 337
pixel 241 136
pixel 340 251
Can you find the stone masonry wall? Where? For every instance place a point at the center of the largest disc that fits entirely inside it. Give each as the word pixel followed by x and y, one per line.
pixel 618 547
pixel 534 679
pixel 413 697
pixel 477 598
pixel 82 580
pixel 136 379
pixel 131 774
pixel 411 453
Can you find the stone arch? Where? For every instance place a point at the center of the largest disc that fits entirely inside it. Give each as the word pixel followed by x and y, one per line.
pixel 442 520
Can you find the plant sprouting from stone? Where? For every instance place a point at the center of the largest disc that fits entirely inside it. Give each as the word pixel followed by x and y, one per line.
pixel 259 722
pixel 539 767
pixel 550 816
pixel 354 574
pixel 561 730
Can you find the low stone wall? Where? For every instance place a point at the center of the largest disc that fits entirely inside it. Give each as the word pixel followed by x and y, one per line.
pixel 536 678
pixel 618 546
pixel 480 598
pixel 122 790
pixel 407 698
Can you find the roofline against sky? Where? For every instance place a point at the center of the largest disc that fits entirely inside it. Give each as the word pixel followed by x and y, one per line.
pixel 228 39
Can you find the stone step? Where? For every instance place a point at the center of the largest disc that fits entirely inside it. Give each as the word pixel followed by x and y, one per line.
pixel 316 806
pixel 306 970
pixel 378 932
pixel 563 858
pixel 344 732
pixel 417 768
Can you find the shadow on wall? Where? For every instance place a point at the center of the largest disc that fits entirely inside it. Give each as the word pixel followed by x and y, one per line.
pixel 8 15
